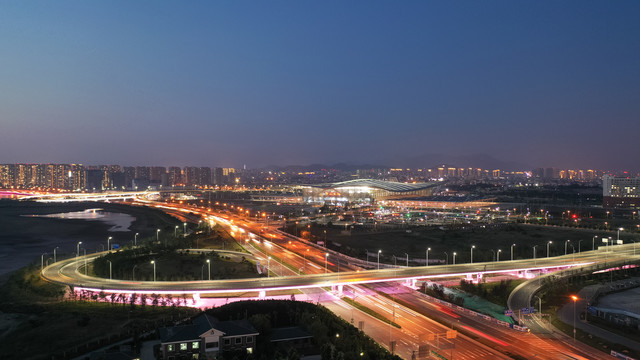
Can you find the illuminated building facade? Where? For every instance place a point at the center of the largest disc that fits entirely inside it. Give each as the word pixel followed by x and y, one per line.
pixel 620 192
pixel 363 191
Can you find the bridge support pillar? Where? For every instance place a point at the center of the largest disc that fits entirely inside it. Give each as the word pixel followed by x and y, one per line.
pixel 478 278
pixel 411 283
pixel 262 294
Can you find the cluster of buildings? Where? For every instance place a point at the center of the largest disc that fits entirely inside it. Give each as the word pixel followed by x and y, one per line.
pixel 331 186
pixel 76 177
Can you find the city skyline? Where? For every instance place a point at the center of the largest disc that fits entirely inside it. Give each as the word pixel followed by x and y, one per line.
pixel 533 84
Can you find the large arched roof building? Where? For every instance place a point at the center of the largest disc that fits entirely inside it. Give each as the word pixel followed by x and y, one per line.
pixel 364 191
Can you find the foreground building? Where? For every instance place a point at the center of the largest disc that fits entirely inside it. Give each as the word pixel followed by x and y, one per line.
pixel 206 337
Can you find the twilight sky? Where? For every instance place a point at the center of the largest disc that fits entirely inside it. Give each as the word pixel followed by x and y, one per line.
pixel 227 83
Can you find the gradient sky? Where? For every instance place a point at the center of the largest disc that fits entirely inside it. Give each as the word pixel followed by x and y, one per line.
pixel 227 83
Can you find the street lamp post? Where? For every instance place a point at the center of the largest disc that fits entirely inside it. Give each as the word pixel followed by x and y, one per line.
pixel 109 261
pixel 209 266
pixel 326 256
pixel 407 259
pixel 158 235
pixel 447 255
pixel 78 248
pixel 565 246
pixel 175 231
pixel 472 247
pixel 379 251
pixel 574 298
pixel 153 262
pixel 109 243
pixel 135 240
pixel 454 257
pixel 619 229
pixel 428 256
pixel 539 306
pixel 184 228
pixel 549 243
pixel 512 245
pixel 54 254
pixel 133 275
pixel 534 251
pixel 579 246
pixel 593 243
pixel 42 261
pixel 498 255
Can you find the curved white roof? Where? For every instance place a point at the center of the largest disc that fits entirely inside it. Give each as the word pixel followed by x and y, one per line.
pixel 378 184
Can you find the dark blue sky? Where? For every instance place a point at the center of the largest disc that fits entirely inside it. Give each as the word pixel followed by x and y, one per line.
pixel 226 83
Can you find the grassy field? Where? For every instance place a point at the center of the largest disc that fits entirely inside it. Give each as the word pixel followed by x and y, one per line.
pixel 415 241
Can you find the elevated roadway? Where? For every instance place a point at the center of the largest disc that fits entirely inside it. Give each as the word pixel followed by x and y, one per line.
pixel 68 272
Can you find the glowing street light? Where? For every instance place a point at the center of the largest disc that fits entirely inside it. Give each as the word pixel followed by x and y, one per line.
pixel 619 229
pixel 549 243
pixel 498 256
pixel 109 243
pixel 135 240
pixel 184 228
pixel 454 257
pixel 428 256
pixel 326 256
pixel 153 262
pixel 565 246
pixel 78 248
pixel 472 247
pixel 574 298
pixel 209 265
pixel 379 251
pixel 175 231
pixel 158 235
pixel 593 243
pixel 268 266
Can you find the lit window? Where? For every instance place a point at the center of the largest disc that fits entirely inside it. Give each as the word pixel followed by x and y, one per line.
pixel 170 347
pixel 183 346
pixel 195 345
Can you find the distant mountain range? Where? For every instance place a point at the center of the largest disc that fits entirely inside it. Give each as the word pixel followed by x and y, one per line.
pixel 422 161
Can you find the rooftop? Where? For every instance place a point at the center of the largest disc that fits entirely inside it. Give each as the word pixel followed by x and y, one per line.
pixel 378 184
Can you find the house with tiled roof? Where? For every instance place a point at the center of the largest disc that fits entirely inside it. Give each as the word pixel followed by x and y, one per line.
pixel 205 337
